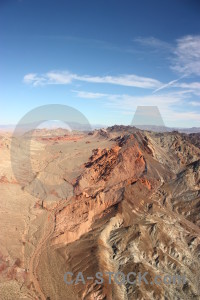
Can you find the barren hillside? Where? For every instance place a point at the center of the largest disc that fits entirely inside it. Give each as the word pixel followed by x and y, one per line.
pixel 116 200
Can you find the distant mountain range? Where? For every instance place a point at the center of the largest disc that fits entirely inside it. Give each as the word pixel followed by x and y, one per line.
pixel 51 125
pixel 55 125
pixel 168 129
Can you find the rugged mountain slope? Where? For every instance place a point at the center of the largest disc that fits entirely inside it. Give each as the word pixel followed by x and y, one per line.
pixel 193 138
pixel 125 216
pixel 131 204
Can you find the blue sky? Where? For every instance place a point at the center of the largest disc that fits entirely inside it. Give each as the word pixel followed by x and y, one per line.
pixel 103 58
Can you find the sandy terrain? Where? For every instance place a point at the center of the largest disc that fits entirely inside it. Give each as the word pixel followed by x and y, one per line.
pixel 25 224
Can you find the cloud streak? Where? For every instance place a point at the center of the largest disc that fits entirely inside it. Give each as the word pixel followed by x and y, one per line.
pixel 89 95
pixel 171 83
pixel 55 77
pixel 153 43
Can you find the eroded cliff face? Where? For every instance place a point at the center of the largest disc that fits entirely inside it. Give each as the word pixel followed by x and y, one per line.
pixel 100 187
pixel 135 209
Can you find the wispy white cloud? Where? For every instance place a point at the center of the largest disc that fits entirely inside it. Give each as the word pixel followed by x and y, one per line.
pixel 125 101
pixel 58 78
pixel 172 117
pixel 192 88
pixel 125 80
pixel 187 55
pixel 184 57
pixel 190 85
pixel 170 105
pixel 194 103
pixel 32 78
pixel 29 78
pixel 49 78
pixel 184 53
pixel 184 87
pixel 54 77
pixel 89 95
pixel 154 43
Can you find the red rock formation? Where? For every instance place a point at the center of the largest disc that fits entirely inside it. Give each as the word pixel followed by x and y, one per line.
pixel 122 189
